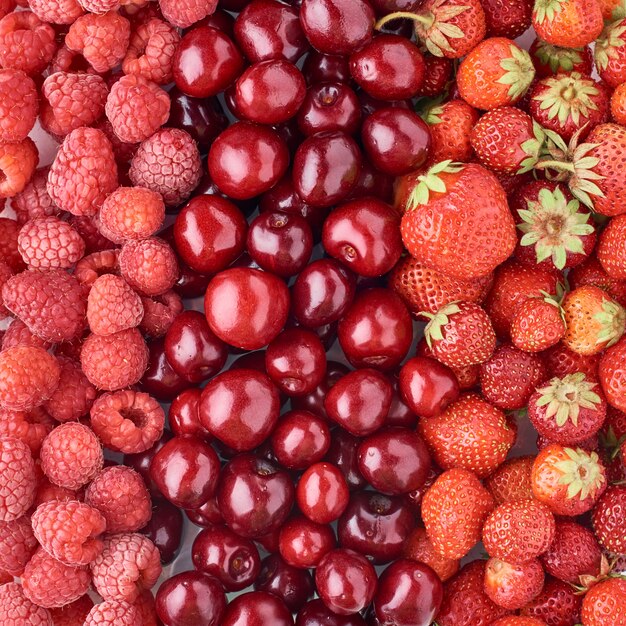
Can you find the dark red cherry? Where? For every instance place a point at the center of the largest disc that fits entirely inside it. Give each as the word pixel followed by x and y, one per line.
pixel 220 20
pixel 141 461
pixel 329 107
pixel 316 613
pixel 257 608
pixel 325 68
pixel 373 183
pixel 191 599
pixel 183 415
pixel 207 187
pixel 207 515
pixel 400 414
pixel 202 118
pixel 322 493
pixel 293 585
pixel 206 61
pixel 326 167
pixel 247 159
pixel 190 284
pixel 160 379
pixel 269 541
pixel 303 542
pixel 344 453
pixel 290 133
pixel 327 333
pixel 300 439
pixel 370 105
pixel 314 401
pixel 165 529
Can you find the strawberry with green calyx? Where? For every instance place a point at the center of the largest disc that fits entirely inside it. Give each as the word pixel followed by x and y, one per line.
pixel 611 251
pixel 610 53
pixel 591 272
pixel 612 10
pixel 551 60
pixel 612 375
pixel 497 72
pixel 567 23
pixel 538 324
pixel 457 221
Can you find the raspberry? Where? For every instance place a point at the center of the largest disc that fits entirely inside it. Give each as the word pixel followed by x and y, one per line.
pixel 28 377
pixel 149 266
pixel 51 584
pixel 49 242
pixel 5 273
pixel 17 479
pixel 112 306
pixel 69 531
pixel 168 163
pixel 112 613
pixel 89 268
pixel 9 232
pixel 147 610
pixel 51 303
pixel 123 151
pixel 184 13
pixel 160 312
pixel 88 230
pixel 128 565
pixel 17 166
pixel 100 6
pixel 31 427
pixel 83 172
pixel 120 494
pixel 34 201
pixel 151 51
pixel 74 395
pixel 18 105
pixel 71 455
pixel 17 610
pixel 47 492
pixel 72 614
pixel 56 11
pixel 115 361
pixel 127 421
pixel 72 101
pixel 102 39
pixel 17 545
pixel 26 43
pixel 18 334
pixel 6 6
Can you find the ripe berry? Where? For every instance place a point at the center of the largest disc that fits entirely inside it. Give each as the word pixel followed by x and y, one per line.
pixel 112 306
pixel 17 545
pixel 49 242
pixel 16 608
pixel 149 266
pixel 18 105
pixel 26 43
pixel 112 613
pixel 17 166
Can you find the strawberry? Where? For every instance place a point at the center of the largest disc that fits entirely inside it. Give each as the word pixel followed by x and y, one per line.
pixel 458 222
pixel 605 604
pixel 437 75
pixel 561 361
pixel 514 620
pixel 594 320
pixel 551 60
pixel 513 586
pixel 567 23
pixel 612 9
pixel 470 433
pixel 518 531
pixel 510 377
pixel 618 104
pixel 557 605
pixel 453 511
pixel 507 18
pixel 591 272
pixel 511 184
pixel 418 547
pixel 612 248
pixel 467 375
pixel 608 519
pixel 511 481
pixel 538 324
pixel 610 53
pixel 612 375
pixel 497 72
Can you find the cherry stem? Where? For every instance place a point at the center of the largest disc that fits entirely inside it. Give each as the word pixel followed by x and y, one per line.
pixel 557 165
pixel 402 15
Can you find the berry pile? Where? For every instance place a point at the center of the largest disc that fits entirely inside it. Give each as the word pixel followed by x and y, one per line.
pixel 333 290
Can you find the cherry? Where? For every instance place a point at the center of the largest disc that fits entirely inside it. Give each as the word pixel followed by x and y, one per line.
pixel 290 133
pixel 269 542
pixel 314 401
pixel 233 5
pixel 377 330
pixel 233 560
pixel 292 585
pixel 428 386
pixel 254 496
pixel 346 581
pixel 303 542
pixel 183 415
pixel 246 308
pixel 220 20
pixel 257 608
pixel 165 529
pixel 370 105
pixel 206 61
pixel 207 515
pixel 191 599
pixel 300 439
pixel 240 408
pixel 316 613
pixel 327 333
pixel 400 413
pixel 322 493
pixel 325 68
pixel 190 284
pixel 344 453
pixel 247 159
pixel 160 379
pixel 329 107
pixel 409 594
pixel 186 470
pixel 373 183
pixel 206 187
pixel 402 27
pixel 141 462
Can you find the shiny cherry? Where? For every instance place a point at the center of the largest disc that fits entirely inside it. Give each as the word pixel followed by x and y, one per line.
pixel 190 284
pixel 257 608
pixel 202 118
pixel 184 417
pixel 220 20
pixel 300 439
pixel 326 333
pixel 322 493
pixel 373 183
pixel 186 470
pixel 316 613
pixel 141 461
pixel 293 585
pixel 400 413
pixel 303 543
pixel 165 529
pixel 325 68
pixel 207 187
pixel 344 453
pixel 207 515
pixel 160 379
pixel 329 107
pixel 290 133
pixel 314 401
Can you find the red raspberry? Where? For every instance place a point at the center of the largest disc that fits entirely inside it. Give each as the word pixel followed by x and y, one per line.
pixel 100 6
pixel 56 11
pixel 51 303
pixel 74 395
pixel 128 565
pixel 17 166
pixel 69 531
pixel 168 163
pixel 49 242
pixel 112 306
pixel 18 105
pixel 9 232
pixel 83 172
pixel 71 455
pixel 151 51
pixel 47 492
pixel 28 377
pixel 88 230
pixel 5 273
pixel 184 13
pixel 160 312
pixel 72 614
pixel 102 39
pixel 120 494
pixel 123 151
pixel 51 584
pixel 17 479
pixel 31 427
pixel 26 43
pixel 72 101
pixel 17 610
pixel 115 361
pixel 112 613
pixel 6 6
pixel 89 268
pixel 147 610
pixel 149 266
pixel 18 334
pixel 34 201
pixel 17 545
pixel 127 421
pixel 66 60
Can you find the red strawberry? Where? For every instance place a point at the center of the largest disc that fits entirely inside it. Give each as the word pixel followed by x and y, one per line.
pixel 467 375
pixel 437 74
pixel 538 324
pixel 557 605
pixel 507 18
pixel 511 481
pixel 605 604
pixel 608 519
pixel 570 23
pixel 551 60
pixel 513 586
pixel 610 53
pixel 561 361
pixel 591 272
pixel 418 547
pixel 612 9
pixel 612 374
pixel 612 248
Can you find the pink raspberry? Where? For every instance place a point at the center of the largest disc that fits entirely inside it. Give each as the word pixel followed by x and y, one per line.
pixel 74 395
pixel 100 6
pixel 147 610
pixel 129 564
pixel 17 479
pixel 184 13
pixel 5 273
pixel 115 361
pixel 26 43
pixel 52 584
pixel 102 39
pixel 71 455
pixel 151 51
pixel 120 494
pixel 72 101
pixel 17 166
pixel 132 213
pixel 47 492
pixel 18 105
pixel 17 610
pixel 51 303
pixel 112 306
pixel 127 421
pixel 66 60
pixel 149 266
pixel 168 163
pixel 69 531
pixel 73 614
pixel 9 232
pixel 17 545
pixel 160 312
pixel 34 201
pixel 112 613
pixel 123 151
pixel 88 230
pixel 18 334
pixel 56 11
pixel 31 427
pixel 6 6
pixel 28 377
pixel 49 242
pixel 89 268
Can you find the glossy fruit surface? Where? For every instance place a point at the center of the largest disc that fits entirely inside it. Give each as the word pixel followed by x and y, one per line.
pixel 329 106
pixel 257 608
pixel 165 529
pixel 303 542
pixel 322 493
pixel 300 439
pixel 293 585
